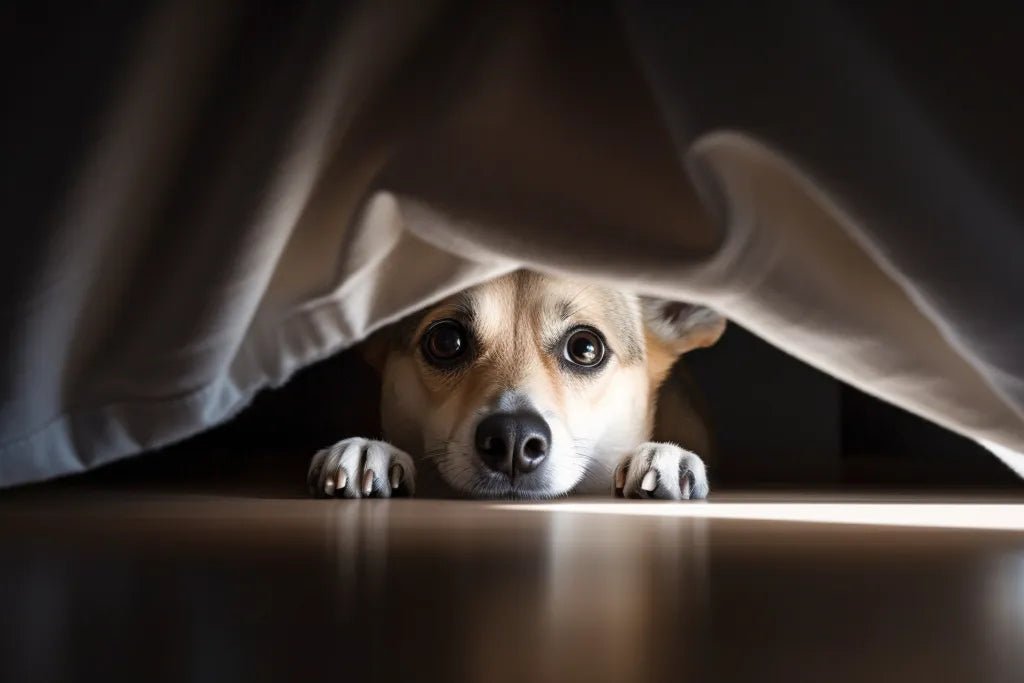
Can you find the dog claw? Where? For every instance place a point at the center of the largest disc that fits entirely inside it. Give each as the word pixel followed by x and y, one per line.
pixel 361 468
pixel 664 471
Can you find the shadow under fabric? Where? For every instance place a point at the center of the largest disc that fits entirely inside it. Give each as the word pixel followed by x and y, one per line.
pixel 217 194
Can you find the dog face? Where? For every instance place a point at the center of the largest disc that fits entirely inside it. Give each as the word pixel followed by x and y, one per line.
pixel 528 385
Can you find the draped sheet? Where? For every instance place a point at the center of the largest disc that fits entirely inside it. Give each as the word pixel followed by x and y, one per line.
pixel 204 197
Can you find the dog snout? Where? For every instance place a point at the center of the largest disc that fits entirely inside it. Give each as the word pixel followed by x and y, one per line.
pixel 513 442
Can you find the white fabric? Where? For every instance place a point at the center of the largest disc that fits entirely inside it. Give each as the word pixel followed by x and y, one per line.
pixel 242 207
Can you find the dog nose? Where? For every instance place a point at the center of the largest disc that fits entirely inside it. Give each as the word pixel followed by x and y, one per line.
pixel 513 442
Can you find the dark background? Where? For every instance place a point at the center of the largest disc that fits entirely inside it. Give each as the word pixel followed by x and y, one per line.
pixel 777 420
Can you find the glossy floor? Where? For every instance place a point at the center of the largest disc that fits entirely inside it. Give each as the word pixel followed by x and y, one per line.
pixel 146 586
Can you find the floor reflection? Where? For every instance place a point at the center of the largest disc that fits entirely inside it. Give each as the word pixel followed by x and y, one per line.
pixel 209 589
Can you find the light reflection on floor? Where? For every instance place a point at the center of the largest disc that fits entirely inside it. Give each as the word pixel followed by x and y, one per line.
pixel 994 516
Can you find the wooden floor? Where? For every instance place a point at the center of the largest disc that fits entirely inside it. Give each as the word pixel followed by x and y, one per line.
pixel 113 585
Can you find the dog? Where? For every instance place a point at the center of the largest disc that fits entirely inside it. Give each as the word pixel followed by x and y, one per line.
pixel 529 386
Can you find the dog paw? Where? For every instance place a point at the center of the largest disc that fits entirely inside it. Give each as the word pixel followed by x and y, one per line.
pixel 361 468
pixel 662 471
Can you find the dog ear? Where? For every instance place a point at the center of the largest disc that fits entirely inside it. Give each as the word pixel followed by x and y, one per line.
pixel 680 326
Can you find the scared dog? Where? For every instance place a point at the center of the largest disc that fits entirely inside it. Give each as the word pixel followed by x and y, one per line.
pixel 527 386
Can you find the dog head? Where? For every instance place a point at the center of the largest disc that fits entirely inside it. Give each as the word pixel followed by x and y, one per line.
pixel 525 385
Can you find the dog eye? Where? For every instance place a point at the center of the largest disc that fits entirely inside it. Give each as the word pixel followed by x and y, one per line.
pixel 444 342
pixel 584 347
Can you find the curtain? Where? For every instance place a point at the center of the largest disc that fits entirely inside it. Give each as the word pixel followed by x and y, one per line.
pixel 202 197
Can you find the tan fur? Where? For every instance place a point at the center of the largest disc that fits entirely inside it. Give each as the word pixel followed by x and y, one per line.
pixel 660 359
